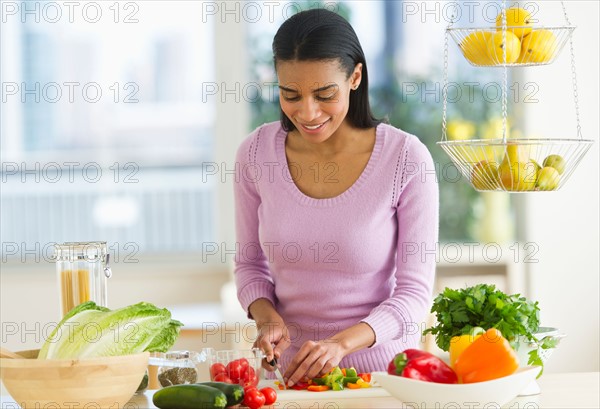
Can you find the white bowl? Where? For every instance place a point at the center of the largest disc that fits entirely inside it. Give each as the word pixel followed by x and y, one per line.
pixel 422 394
pixel 524 346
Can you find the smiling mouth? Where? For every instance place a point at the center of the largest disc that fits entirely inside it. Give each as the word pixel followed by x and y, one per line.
pixel 314 127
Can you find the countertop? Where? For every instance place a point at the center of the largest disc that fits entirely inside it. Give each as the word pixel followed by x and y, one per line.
pixel 566 390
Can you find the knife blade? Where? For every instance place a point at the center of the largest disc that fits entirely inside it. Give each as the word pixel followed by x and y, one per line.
pixel 278 374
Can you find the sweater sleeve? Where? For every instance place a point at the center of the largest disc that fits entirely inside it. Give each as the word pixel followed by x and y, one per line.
pixel 417 214
pixel 252 276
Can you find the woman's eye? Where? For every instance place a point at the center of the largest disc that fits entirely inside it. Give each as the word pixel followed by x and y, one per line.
pixel 291 99
pixel 326 97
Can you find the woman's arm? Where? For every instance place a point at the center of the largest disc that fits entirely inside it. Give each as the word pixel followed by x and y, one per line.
pixel 255 286
pixel 252 276
pixel 418 222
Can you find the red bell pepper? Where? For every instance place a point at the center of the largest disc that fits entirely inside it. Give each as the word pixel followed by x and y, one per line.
pixel 397 364
pixel 365 377
pixel 300 386
pixel 421 365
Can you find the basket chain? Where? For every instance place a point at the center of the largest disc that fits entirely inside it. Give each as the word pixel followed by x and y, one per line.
pixel 573 74
pixel 504 71
pixel 445 89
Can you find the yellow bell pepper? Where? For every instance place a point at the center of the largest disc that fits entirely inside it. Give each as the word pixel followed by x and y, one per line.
pixel 459 343
pixel 489 357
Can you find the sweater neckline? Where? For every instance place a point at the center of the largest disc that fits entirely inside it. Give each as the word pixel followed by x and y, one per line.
pixel 330 201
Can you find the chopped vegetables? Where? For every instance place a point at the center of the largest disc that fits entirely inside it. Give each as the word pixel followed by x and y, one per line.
pixel 318 388
pixel 337 380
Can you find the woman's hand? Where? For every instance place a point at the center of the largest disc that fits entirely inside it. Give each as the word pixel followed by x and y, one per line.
pixel 316 358
pixel 273 336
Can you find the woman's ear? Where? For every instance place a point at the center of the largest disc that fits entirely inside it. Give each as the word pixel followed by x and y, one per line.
pixel 356 76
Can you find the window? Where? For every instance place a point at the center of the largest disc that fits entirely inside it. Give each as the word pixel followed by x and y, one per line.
pixel 106 128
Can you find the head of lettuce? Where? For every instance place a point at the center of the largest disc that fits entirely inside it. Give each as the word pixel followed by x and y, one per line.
pixel 89 330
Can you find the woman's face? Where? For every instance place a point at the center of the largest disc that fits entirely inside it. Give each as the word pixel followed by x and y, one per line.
pixel 315 96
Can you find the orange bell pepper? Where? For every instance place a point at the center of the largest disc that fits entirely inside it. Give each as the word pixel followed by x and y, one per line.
pixel 489 357
pixel 461 342
pixel 318 388
pixel 351 385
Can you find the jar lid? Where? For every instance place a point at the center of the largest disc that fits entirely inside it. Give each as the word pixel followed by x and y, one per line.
pixel 177 359
pixel 79 250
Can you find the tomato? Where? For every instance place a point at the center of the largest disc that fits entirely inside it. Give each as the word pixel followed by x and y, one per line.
pixel 222 377
pixel 248 388
pixel 254 399
pixel 270 395
pixel 244 363
pixel 234 370
pixel 216 369
pixel 249 377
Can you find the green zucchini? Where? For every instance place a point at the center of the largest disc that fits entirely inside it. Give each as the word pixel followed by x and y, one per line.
pixel 191 396
pixel 234 393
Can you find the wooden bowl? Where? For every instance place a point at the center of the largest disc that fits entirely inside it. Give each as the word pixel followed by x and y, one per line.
pixel 91 382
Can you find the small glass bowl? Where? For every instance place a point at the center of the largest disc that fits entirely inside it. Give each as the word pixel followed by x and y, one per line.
pixel 240 367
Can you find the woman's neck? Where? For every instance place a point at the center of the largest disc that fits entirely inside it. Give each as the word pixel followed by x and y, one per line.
pixel 346 139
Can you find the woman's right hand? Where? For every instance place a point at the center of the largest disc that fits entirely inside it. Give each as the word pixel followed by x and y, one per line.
pixel 273 336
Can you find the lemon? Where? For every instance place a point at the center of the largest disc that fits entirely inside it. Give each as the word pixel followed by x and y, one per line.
pixel 475 48
pixel 518 21
pixel 496 47
pixel 484 176
pixel 517 172
pixel 537 47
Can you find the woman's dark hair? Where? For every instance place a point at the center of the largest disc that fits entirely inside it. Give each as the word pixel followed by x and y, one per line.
pixel 320 34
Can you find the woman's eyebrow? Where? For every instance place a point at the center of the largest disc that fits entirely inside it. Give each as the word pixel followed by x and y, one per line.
pixel 325 88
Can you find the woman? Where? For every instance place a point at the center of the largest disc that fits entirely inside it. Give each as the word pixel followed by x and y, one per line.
pixel 336 213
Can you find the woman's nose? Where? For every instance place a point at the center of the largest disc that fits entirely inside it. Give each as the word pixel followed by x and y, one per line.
pixel 309 110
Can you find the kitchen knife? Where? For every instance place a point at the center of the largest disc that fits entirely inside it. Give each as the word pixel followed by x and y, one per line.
pixel 278 374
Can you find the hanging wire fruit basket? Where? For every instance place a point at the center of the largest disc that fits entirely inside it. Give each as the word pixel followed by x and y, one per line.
pixel 485 47
pixel 507 164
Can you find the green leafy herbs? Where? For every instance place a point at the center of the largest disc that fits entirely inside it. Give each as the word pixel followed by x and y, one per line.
pixel 89 330
pixel 458 311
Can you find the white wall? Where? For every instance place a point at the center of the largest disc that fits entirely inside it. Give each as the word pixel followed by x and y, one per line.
pixel 564 224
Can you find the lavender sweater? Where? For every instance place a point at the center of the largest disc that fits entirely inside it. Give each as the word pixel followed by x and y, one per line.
pixel 326 264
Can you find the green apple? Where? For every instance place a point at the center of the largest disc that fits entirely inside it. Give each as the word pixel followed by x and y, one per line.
pixel 548 179
pixel 555 161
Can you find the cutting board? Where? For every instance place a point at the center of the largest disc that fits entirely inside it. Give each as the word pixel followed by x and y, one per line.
pixel 294 395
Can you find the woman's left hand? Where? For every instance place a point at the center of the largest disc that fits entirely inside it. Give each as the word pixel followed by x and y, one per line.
pixel 315 358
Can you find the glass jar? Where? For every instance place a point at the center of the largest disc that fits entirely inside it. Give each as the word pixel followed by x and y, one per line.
pixel 174 368
pixel 82 268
